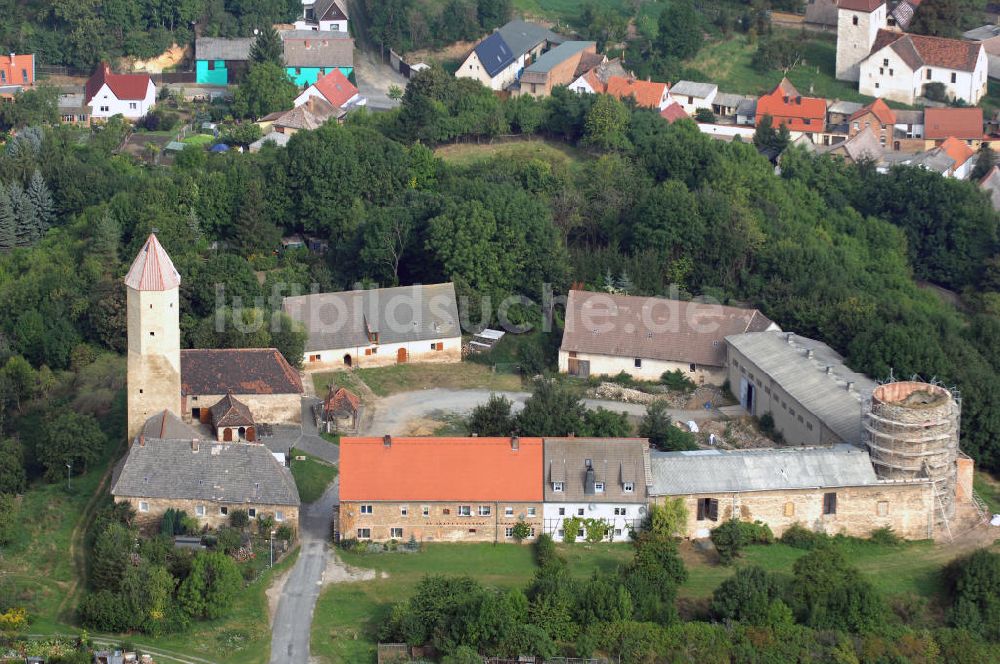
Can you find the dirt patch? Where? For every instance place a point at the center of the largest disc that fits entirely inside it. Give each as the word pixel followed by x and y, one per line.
pixel 456 51
pixel 338 572
pixel 739 433
pixel 274 592
pixel 169 58
pixel 674 399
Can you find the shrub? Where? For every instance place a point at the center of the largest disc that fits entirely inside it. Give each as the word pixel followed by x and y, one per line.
pixel 885 537
pixel 571 529
pixel 705 115
pixel 348 544
pixel 265 523
pixel 936 91
pixel 746 596
pixel 766 424
pixel 973 586
pixel 596 530
pixel 228 539
pixel 757 532
pixel 284 532
pixel 239 519
pixel 729 539
pixel 677 380
pixel 521 530
pixel 545 549
pixel 801 537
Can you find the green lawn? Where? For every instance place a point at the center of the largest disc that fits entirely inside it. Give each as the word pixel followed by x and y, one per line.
pixel 554 152
pixel 384 381
pixel 988 488
pixel 312 476
pixel 568 11
pixel 346 379
pixel 199 139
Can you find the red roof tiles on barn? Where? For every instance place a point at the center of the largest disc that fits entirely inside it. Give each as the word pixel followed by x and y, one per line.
pixel 152 269
pixel 237 371
pixel 964 123
pixel 124 86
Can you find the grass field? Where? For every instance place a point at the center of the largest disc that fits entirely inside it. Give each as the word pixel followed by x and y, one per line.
pixel 312 476
pixel 348 615
pixel 345 379
pixel 554 152
pixel 199 139
pixel 568 11
pixel 988 488
pixel 408 377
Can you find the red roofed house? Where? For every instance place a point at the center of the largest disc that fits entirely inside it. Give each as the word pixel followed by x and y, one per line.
pixel 962 123
pixel 787 107
pixel 876 116
pixel 129 95
pixel 334 88
pixel 647 94
pixel 673 112
pixel 17 70
pixel 440 489
pixel 962 154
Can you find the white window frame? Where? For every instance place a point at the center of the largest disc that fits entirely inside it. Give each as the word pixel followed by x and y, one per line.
pixel 485 510
pixel 366 509
pixel 362 536
pixel 425 510
pixel 508 511
pixel 628 487
pixel 392 533
pixel 199 511
pixel 557 487
pixel 279 516
pixel 252 512
pixel 508 532
pixel 599 487
pixel 143 506
pixel 404 510
pixel 465 510
pixel 532 511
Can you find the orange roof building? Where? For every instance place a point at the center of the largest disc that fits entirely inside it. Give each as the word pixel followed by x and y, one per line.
pixel 440 489
pixel 963 123
pixel 957 150
pixel 673 112
pixel 647 94
pixel 17 69
pixel 787 107
pixel 879 109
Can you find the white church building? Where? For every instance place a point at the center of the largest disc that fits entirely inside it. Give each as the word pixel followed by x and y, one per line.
pixel 891 64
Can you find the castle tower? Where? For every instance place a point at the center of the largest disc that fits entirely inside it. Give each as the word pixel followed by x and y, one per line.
pixel 858 23
pixel 154 336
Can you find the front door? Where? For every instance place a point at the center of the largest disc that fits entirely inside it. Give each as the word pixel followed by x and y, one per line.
pixel 227 435
pixel 747 395
pixel 401 356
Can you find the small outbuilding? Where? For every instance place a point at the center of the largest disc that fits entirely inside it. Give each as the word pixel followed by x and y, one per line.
pixel 232 420
pixel 340 411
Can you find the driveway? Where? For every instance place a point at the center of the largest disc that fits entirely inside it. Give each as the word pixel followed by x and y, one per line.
pixel 393 414
pixel 305 438
pixel 372 75
pixel 293 619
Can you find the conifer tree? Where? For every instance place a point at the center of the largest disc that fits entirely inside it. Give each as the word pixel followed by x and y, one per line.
pixel 8 224
pixel 41 198
pixel 26 229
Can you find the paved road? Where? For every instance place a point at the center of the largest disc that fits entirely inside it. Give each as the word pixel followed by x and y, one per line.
pixel 373 76
pixel 293 619
pixel 305 438
pixel 393 414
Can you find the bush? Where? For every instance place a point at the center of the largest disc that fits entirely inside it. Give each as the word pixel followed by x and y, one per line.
pixel 571 529
pixel 746 596
pixel 228 540
pixel 800 537
pixel 284 532
pixel 239 519
pixel 348 544
pixel 521 531
pixel 677 380
pixel 936 91
pixel 973 585
pixel 705 115
pixel 545 549
pixel 885 537
pixel 729 540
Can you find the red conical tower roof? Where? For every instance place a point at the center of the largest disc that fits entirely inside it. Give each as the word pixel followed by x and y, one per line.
pixel 152 269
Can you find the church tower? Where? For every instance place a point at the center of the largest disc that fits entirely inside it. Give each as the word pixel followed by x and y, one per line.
pixel 858 23
pixel 154 336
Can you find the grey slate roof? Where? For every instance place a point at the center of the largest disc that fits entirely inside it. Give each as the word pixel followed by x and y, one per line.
pixel 747 107
pixel 805 379
pixel 613 460
pixel 982 33
pixel 523 36
pixel 693 89
pixel 216 48
pixel 863 145
pixel 559 54
pixel 235 473
pixel 728 471
pixel 991 185
pixel 845 107
pixel 168 425
pixel 728 99
pixel 909 117
pixel 494 54
pixel 308 48
pixel 405 313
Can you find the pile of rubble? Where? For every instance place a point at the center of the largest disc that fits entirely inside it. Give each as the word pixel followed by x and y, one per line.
pixel 677 400
pixel 740 433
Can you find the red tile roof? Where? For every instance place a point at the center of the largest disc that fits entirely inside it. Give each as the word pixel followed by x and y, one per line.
pixel 673 113
pixel 958 150
pixel 964 123
pixel 336 88
pixel 647 94
pixel 341 400
pixel 879 109
pixel 796 112
pixel 212 371
pixel 920 50
pixel 14 67
pixel 152 269
pixel 861 5
pixel 439 469
pixel 123 86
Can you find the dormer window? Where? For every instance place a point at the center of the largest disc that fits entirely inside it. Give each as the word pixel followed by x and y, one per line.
pixel 599 487
pixel 628 487
pixel 557 487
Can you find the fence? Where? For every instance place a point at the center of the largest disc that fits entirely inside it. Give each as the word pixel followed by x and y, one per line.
pixel 174 77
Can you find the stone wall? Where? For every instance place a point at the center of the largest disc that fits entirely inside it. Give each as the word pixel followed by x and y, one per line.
pixel 266 408
pixel 610 365
pixel 382 355
pixel 442 523
pixel 906 507
pixel 154 356
pixel 149 520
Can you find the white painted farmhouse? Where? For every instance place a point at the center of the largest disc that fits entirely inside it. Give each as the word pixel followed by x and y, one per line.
pixel 128 95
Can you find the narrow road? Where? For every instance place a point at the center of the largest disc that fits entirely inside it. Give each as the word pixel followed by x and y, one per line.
pixel 305 438
pixel 293 619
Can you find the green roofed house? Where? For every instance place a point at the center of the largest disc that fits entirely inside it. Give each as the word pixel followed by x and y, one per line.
pixel 310 55
pixel 221 61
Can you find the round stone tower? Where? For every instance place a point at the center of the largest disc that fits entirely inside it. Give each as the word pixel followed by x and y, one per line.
pixel 154 344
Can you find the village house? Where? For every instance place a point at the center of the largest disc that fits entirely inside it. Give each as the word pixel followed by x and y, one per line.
pixel 828 489
pixel 339 412
pixel 692 96
pixel 644 337
pixel 673 112
pixel 965 124
pixel 308 54
pixel 606 479
pixel 323 16
pixel 647 94
pixel 379 327
pixel 862 146
pixel 206 479
pixel 876 116
pixel 787 107
pixel 726 104
pixel 498 60
pixel 17 71
pixel 990 183
pixel 312 114
pixel 335 89
pixel 72 109
pixel 821 15
pixel 221 61
pixel 552 68
pixel 440 489
pixel 989 37
pixel 231 420
pixel 260 377
pixel 108 94
pixel 838 115
pixel 594 80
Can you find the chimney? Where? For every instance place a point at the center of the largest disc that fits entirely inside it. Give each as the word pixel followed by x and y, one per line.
pixel 788 337
pixel 850 386
pixel 142 440
pixel 829 369
pixel 387 440
pixel 194 444
pixel 475 435
pixel 515 443
pixel 810 353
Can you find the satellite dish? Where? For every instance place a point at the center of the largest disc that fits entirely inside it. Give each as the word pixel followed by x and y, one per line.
pixel 642 509
pixel 590 506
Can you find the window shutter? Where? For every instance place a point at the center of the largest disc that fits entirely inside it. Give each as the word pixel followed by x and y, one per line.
pixel 713 509
pixel 701 509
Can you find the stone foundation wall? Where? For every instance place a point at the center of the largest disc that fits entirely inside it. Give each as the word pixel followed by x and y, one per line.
pixel 266 408
pixel 149 520
pixel 908 508
pixel 437 526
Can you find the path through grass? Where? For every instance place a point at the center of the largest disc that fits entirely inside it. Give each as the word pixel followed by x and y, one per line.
pixel 384 381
